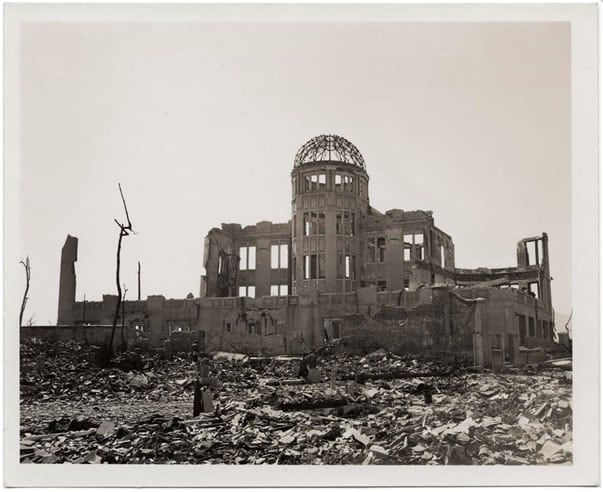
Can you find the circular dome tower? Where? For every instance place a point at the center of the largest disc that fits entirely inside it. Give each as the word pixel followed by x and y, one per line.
pixel 330 197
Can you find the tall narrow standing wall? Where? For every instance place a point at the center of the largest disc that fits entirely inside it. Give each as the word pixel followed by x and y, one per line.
pixel 67 281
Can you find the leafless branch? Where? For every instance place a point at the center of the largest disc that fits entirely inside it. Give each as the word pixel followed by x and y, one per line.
pixel 27 267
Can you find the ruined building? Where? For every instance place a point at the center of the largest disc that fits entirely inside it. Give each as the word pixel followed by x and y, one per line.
pixel 340 269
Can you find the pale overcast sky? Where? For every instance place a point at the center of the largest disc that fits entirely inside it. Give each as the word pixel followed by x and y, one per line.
pixel 200 123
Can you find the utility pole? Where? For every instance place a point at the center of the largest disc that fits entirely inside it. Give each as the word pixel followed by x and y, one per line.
pixel 139 280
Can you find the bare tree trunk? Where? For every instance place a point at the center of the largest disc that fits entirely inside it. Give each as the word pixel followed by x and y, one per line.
pixel 116 315
pixel 123 320
pixel 124 230
pixel 27 279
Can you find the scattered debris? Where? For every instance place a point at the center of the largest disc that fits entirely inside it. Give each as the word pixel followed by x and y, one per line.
pixel 258 412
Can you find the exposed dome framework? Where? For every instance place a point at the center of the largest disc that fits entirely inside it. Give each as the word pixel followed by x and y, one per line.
pixel 329 148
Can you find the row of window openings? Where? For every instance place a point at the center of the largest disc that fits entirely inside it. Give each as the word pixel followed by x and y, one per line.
pixel 544 329
pixel 279 257
pixel 253 326
pixel 275 290
pixel 318 182
pixel 376 249
pixel 381 285
pixel 314 223
pixel 314 266
pixel 332 327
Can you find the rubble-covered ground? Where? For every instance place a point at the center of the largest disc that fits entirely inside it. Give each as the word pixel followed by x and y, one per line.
pixel 376 409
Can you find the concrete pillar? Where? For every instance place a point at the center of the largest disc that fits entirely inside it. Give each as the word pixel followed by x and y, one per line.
pixel 262 267
pixel 394 253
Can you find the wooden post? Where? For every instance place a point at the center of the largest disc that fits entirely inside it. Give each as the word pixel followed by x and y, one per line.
pixel 197 403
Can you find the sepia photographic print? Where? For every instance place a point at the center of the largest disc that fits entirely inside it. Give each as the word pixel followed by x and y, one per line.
pixel 356 236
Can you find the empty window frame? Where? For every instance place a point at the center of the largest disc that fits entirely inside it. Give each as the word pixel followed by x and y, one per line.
pixel 534 251
pixel 345 223
pixel 534 289
pixel 522 329
pixel 307 184
pixel 333 328
pixel 350 266
pixel 348 184
pixel 247 255
pixel 381 286
pixel 406 284
pixel 279 256
pixel 314 266
pixel 253 327
pixel 247 291
pixel 372 256
pixel 442 257
pixel 531 327
pixel 344 182
pixel 227 326
pixel 315 182
pixel 314 223
pixel 279 290
pixel 337 328
pixel 413 242
pixel 381 249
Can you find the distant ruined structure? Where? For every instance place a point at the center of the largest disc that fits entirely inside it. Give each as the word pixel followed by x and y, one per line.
pixel 340 269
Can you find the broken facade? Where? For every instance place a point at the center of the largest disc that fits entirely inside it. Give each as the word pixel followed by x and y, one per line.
pixel 289 287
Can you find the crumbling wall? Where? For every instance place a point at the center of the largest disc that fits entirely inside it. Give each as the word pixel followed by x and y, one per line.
pixel 422 330
pixel 216 241
pixel 506 318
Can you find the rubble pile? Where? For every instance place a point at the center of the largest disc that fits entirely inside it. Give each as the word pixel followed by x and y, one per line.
pixel 66 370
pixel 376 409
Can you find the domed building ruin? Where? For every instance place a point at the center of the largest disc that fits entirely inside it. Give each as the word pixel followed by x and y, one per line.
pixel 341 270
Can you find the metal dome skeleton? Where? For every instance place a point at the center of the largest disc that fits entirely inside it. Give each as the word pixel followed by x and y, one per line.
pixel 329 148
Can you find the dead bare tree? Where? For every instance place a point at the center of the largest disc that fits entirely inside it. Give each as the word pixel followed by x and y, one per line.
pixel 123 318
pixel 124 230
pixel 27 267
